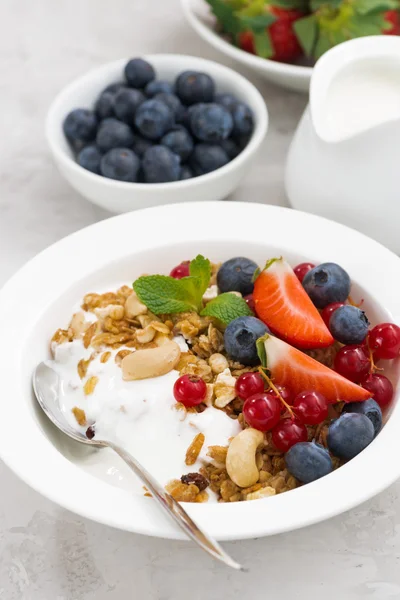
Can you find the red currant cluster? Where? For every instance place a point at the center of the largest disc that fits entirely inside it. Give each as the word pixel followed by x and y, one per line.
pixel 263 410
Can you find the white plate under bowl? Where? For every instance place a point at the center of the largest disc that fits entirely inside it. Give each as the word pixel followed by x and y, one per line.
pixel 38 300
pixel 200 18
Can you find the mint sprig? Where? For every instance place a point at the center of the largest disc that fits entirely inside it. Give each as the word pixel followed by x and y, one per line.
pixel 163 294
pixel 226 307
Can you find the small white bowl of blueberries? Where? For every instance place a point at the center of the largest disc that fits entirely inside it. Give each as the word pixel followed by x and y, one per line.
pixel 155 130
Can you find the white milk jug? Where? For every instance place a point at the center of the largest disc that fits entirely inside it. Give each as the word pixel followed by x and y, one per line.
pixel 344 161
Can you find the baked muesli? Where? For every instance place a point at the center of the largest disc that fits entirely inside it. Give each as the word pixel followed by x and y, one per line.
pixel 234 383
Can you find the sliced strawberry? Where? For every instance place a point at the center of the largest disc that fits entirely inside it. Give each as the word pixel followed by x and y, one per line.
pixel 298 372
pixel 282 303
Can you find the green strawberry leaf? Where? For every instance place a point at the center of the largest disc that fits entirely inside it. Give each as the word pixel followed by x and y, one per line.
pixel 306 30
pixel 226 16
pixel 226 307
pixel 257 24
pixel 323 44
pixel 263 45
pixel 162 294
pixel 365 7
pixel 262 355
pixel 200 268
pixel 330 4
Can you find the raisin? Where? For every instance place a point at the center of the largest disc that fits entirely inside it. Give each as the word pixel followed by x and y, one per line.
pixel 196 479
pixel 90 432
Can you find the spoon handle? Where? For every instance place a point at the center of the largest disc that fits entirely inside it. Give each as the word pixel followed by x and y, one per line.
pixel 175 510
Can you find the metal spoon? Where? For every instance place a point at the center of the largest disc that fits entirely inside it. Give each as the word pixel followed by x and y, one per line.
pixel 46 387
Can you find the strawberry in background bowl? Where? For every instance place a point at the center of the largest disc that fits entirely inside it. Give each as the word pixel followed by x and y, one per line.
pixel 282 40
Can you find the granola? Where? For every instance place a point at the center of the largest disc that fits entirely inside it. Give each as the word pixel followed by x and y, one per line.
pixel 111 331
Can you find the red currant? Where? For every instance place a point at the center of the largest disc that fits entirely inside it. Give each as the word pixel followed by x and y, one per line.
pixel 352 362
pixel 181 270
pixel 287 433
pixel 190 390
pixel 311 407
pixel 262 411
pixel 380 387
pixel 384 341
pixel 302 269
pixel 250 302
pixel 285 393
pixel 249 384
pixel 329 310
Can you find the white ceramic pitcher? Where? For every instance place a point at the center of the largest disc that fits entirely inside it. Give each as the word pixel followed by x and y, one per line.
pixel 344 161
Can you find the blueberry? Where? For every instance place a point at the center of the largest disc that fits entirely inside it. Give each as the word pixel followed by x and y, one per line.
pixel 156 87
pixel 186 173
pixel 80 127
pixel 242 141
pixel 140 145
pixel 139 73
pixel 154 118
pixel 104 106
pixel 193 87
pixel 113 88
pixel 125 104
pixel 180 142
pixel 349 324
pixel 230 147
pixel 370 408
pixel 308 461
pixel 207 157
pixel 160 165
pixel 121 164
pixel 243 122
pixel 211 122
pixel 240 339
pixel 89 158
pixel 349 435
pixel 327 283
pixel 226 100
pixel 173 102
pixel 114 134
pixel 236 275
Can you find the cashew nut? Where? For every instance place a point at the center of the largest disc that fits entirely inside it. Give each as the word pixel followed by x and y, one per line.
pixel 133 306
pixel 153 362
pixel 241 457
pixel 145 335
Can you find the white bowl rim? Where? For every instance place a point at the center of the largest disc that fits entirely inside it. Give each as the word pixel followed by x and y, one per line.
pixel 251 60
pixel 260 129
pixel 68 485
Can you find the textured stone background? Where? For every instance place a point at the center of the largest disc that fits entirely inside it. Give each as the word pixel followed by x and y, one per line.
pixel 47 553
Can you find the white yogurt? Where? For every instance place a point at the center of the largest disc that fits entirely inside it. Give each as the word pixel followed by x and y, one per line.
pixel 362 95
pixel 139 415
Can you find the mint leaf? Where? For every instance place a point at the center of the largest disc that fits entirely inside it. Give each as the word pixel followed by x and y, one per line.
pixel 226 307
pixel 162 294
pixel 200 268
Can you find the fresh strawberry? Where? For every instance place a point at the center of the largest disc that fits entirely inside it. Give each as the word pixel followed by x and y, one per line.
pixel 282 38
pixel 262 28
pixel 298 372
pixel 282 303
pixel 392 17
pixel 335 21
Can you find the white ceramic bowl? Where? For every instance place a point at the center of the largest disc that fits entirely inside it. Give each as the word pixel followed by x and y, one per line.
pixel 116 250
pixel 118 196
pixel 292 77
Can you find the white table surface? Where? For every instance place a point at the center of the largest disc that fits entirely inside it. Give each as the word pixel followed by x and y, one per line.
pixel 47 553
